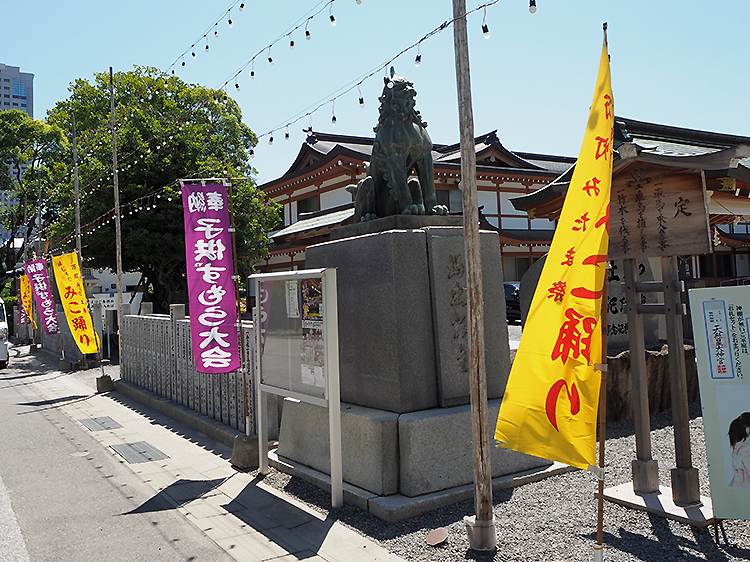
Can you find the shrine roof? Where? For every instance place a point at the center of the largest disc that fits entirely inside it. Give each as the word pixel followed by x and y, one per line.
pixel 658 144
pixel 321 148
pixel 317 220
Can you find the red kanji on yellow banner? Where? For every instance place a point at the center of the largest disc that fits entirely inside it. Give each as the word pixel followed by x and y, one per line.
pixel 73 297
pixel 26 299
pixel 550 403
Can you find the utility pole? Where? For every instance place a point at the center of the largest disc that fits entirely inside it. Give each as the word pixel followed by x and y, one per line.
pixel 118 231
pixel 481 527
pixel 75 184
pixel 104 382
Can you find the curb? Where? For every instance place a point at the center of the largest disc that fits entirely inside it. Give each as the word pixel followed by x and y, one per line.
pixel 209 427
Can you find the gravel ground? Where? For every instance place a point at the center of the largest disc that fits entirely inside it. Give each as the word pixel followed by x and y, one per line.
pixel 555 520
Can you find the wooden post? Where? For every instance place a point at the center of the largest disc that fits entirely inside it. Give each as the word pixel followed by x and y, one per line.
pixel 481 528
pixel 685 486
pixel 118 230
pixel 645 469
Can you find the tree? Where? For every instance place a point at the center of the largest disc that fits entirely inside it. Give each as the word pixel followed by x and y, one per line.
pixel 166 130
pixel 30 164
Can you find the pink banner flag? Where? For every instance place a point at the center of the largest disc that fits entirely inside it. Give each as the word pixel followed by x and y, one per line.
pixel 213 303
pixel 37 272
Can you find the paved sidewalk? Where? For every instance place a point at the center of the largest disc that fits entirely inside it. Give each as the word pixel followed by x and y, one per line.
pixel 191 472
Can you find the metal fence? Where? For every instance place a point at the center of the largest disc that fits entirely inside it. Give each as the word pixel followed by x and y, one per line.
pixel 156 355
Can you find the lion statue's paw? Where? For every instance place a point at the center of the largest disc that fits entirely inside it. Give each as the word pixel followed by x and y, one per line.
pixel 413 210
pixel 368 217
pixel 441 210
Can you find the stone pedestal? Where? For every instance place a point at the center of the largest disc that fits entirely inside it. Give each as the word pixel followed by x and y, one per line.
pixel 386 346
pixel 403 325
pixel 384 453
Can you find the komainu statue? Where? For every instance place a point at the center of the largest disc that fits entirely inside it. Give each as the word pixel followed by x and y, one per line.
pixel 402 147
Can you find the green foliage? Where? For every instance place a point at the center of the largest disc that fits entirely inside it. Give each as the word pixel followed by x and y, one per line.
pixel 30 165
pixel 166 130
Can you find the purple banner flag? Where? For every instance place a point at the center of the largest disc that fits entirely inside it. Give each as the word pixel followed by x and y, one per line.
pixel 213 303
pixel 37 273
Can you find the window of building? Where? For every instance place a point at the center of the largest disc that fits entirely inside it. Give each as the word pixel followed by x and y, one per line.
pixel 451 198
pixel 308 205
pixel 19 89
pixel 716 265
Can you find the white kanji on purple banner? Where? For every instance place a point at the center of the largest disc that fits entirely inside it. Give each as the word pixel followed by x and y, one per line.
pixel 213 303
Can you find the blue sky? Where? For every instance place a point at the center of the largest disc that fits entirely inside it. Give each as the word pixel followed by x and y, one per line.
pixel 680 63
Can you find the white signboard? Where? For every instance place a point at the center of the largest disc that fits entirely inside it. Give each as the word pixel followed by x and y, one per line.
pixel 721 322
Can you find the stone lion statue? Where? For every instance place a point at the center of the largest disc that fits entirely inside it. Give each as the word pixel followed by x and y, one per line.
pixel 402 147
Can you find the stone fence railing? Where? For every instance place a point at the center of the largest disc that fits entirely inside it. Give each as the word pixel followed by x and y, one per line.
pixel 156 355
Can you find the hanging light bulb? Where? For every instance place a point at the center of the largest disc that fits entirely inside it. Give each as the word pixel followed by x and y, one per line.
pixel 307 34
pixel 252 155
pixel 242 6
pixel 229 20
pixel 418 60
pixel 270 61
pixel 183 63
pixel 286 136
pixel 252 74
pixel 291 45
pixel 216 30
pixel 206 47
pixel 359 2
pixel 193 53
pixel 270 139
pixel 173 72
pixel 237 85
pixel 333 20
pixel 361 101
pixel 532 6
pixel 485 31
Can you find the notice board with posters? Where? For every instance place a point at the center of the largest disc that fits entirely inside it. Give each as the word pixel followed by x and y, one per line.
pixel 296 332
pixel 721 327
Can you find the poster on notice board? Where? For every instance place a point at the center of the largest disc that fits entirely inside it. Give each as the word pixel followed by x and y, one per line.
pixel 721 328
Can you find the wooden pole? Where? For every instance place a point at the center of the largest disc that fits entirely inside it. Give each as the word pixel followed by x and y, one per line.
pixel 75 183
pixel 118 231
pixel 645 470
pixel 685 486
pixel 236 277
pixel 482 535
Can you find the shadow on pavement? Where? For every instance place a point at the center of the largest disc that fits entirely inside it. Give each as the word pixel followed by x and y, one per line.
pixel 177 494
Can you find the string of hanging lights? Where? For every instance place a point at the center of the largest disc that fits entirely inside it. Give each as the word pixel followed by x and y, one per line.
pixel 227 14
pixel 302 22
pixel 357 83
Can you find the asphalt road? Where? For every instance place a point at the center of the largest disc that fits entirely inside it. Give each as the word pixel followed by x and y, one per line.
pixel 65 497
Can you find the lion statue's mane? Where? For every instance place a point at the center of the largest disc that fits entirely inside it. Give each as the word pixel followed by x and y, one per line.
pixel 402 147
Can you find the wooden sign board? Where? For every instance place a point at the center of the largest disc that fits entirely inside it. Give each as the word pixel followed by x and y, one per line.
pixel 657 211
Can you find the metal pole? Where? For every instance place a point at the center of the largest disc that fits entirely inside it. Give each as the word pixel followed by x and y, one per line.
pixel 118 231
pixel 480 529
pixel 599 548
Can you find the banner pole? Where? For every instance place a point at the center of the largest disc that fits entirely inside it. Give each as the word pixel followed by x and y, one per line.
pixel 599 547
pixel 236 277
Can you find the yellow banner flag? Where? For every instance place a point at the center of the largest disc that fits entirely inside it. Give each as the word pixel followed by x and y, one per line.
pixel 26 299
pixel 73 297
pixel 550 404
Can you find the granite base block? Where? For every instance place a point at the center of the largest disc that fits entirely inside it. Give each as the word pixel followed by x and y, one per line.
pixel 369 443
pixel 386 345
pixel 446 255
pixel 435 451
